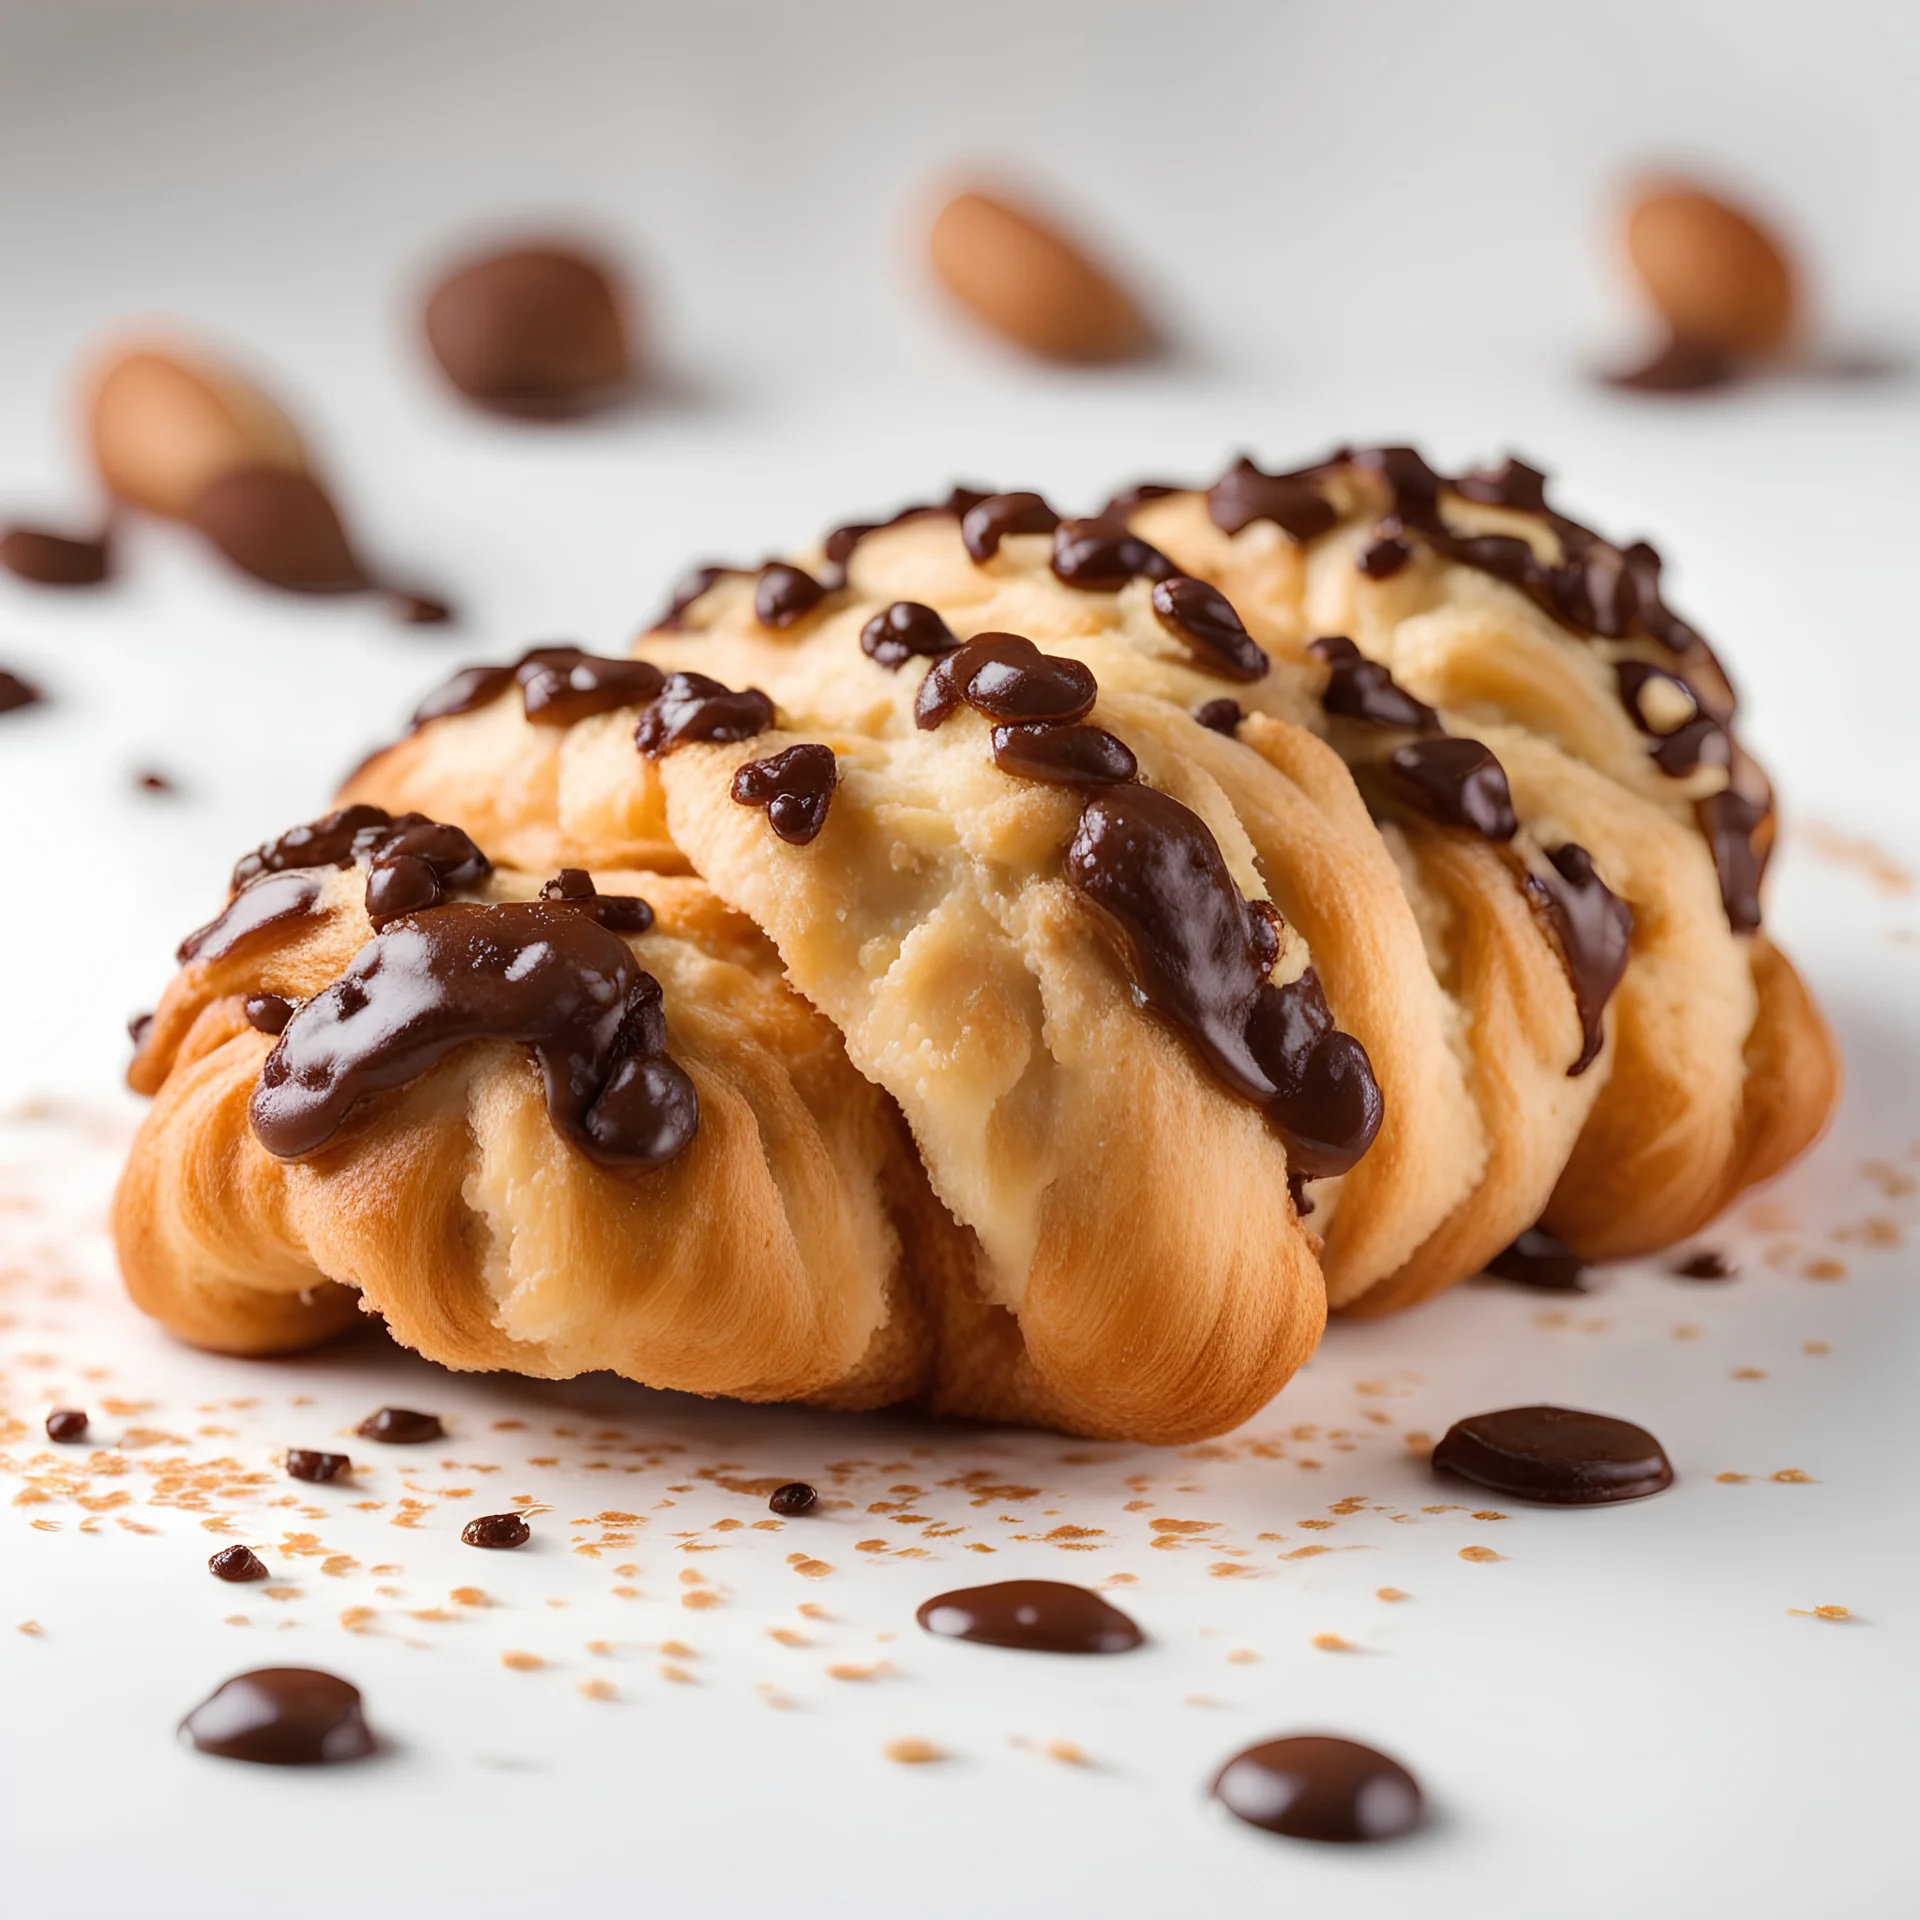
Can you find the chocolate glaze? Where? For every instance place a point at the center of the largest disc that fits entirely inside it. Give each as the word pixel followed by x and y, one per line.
pixel 401 1427
pixel 497 1530
pixel 268 1012
pixel 1457 782
pixel 1243 494
pixel 1220 716
pixel 262 904
pixel 326 842
pixel 691 707
pixel 687 589
pixel 1555 1455
pixel 617 912
pixel 55 559
pixel 1705 1265
pixel 796 788
pixel 281 1717
pixel 1202 618
pixel 897 633
pixel 1005 677
pixel 463 692
pixel 1101 556
pixel 1037 1616
pixel 304 1463
pixel 1129 500
pixel 413 863
pixel 1386 554
pixel 16 693
pixel 238 1564
pixel 1361 689
pixel 1198 955
pixel 841 542
pixel 280 527
pixel 1732 824
pixel 1540 1261
pixel 792 1500
pixel 538 972
pixel 987 522
pixel 1063 756
pixel 559 686
pixel 785 594
pixel 1314 1786
pixel 1594 928
pixel 67 1424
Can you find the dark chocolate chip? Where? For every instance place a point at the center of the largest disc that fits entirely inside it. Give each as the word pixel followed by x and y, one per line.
pixel 1202 618
pixel 1705 1265
pixel 784 595
pixel 401 1427
pixel 897 633
pixel 1318 1787
pixel 1006 677
pixel 1361 689
pixel 238 1564
pixel 1457 782
pixel 303 1463
pixel 1101 556
pixel 1220 716
pixel 268 1012
pixel 497 1530
pixel 987 522
pixel 66 1423
pixel 281 1717
pixel 796 788
pixel 1555 1455
pixel 1063 756
pixel 1037 1616
pixel 692 707
pixel 792 1500
pixel 1536 1259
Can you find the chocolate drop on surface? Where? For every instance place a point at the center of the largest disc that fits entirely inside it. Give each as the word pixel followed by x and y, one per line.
pixel 281 1717
pixel 1705 1265
pixel 538 972
pixel 1540 1261
pixel 1594 928
pixel 237 1564
pixel 1202 618
pixel 1101 556
pixel 1037 1616
pixel 263 903
pixel 1555 1455
pixel 693 707
pixel 785 594
pixel 1678 366
pixel 401 1427
pixel 1064 756
pixel 497 1530
pixel 899 632
pixel 537 333
pixel 987 522
pixel 280 527
pixel 303 1463
pixel 1220 716
pixel 617 912
pixel 792 1500
pixel 796 788
pixel 1198 954
pixel 54 559
pixel 268 1012
pixel 151 780
pixel 1457 782
pixel 16 693
pixel 66 1424
pixel 1243 494
pixel 1314 1786
pixel 1361 689
pixel 560 686
pixel 1006 677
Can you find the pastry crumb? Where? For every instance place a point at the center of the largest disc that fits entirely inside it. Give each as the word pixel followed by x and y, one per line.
pixel 599 1690
pixel 912 1753
pixel 1480 1554
pixel 1334 1643
pixel 1390 1593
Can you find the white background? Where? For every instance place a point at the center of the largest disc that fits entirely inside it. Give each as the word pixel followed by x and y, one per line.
pixel 1357 222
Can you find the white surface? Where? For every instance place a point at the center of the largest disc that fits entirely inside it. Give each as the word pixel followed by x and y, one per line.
pixel 1621 1715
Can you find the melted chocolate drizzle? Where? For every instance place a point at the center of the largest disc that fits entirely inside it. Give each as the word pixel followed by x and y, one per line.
pixel 1594 927
pixel 987 522
pixel 537 972
pixel 1458 783
pixel 413 863
pixel 1243 494
pixel 1202 618
pixel 686 590
pixel 1315 1786
pixel 1198 954
pixel 1361 689
pixel 692 707
pixel 269 901
pixel 558 687
pixel 1101 556
pixel 1064 756
pixel 1037 1616
pixel 785 594
pixel 1386 554
pixel 1732 824
pixel 796 788
pixel 897 633
pixel 1555 1455
pixel 268 1012
pixel 281 1717
pixel 1698 741
pixel 617 912
pixel 841 542
pixel 1006 677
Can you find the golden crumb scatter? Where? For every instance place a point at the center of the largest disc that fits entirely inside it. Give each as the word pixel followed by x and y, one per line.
pixel 32 1628
pixel 1230 1570
pixel 1242 1657
pixel 1199 1700
pixel 912 1753
pixel 432 1615
pixel 280 1593
pixel 1825 1268
pixel 1390 1593
pixel 678 1675
pixel 1686 1331
pixel 1182 1526
pixel 1749 1373
pixel 1733 1479
pixel 869 1546
pixel 469 1597
pixel 787 1637
pixel 1821 1613
pixel 1122 1579
pixel 1815 1347
pixel 626 1593
pixel 522 1662
pixel 235 1620
pixel 339 1565
pixel 809 1569
pixel 1552 1318
pixel 1793 1477
pixel 1480 1554
pixel 1068 1752
pixel 728 1526
pixel 599 1690
pixel 701 1597
pixel 1305 1553
pixel 1334 1643
pixel 851 1670
pixel 1316 1526
pixel 690 1577
pixel 1487 1513
pixel 357 1619
pixel 679 1650
pixel 812 1610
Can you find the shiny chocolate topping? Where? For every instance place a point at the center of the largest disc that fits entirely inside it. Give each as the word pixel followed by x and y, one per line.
pixel 279 526
pixel 1243 494
pixel 401 1427
pixel 692 707
pixel 326 842
pixel 1536 1259
pixel 792 1500
pixel 238 1564
pixel 1101 556
pixel 51 559
pixel 785 594
pixel 1314 1786
pixel 1129 500
pixel 796 788
pixel 67 1424
pixel 897 633
pixel 1198 955
pixel 1458 783
pixel 305 1463
pixel 687 589
pixel 1202 619
pixel 987 522
pixel 537 972
pixel 1555 1455
pixel 1063 756
pixel 1361 689
pixel 617 912
pixel 16 693
pixel 1220 716
pixel 840 543
pixel 1386 554
pixel 268 1012
pixel 1594 928
pixel 558 687
pixel 281 1717
pixel 413 863
pixel 1734 826
pixel 1005 677
pixel 497 1531
pixel 262 904
pixel 1037 1616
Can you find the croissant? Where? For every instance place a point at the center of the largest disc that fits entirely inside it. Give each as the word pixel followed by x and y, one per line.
pixel 1114 942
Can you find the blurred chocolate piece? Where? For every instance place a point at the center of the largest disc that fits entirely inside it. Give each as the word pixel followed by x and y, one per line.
pixel 54 559
pixel 1716 274
pixel 1536 1259
pixel 1705 1265
pixel 497 1530
pixel 401 1427
pixel 238 1564
pixel 281 1717
pixel 280 527
pixel 16 693
pixel 1316 1786
pixel 1680 366
pixel 792 1500
pixel 303 1463
pixel 535 332
pixel 66 1424
pixel 152 780
pixel 419 609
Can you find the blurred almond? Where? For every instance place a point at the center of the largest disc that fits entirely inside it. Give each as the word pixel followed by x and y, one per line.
pixel 1032 285
pixel 164 425
pixel 1718 277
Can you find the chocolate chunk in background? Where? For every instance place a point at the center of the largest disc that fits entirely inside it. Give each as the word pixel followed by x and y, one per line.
pixel 304 1463
pixel 1034 1616
pixel 1678 366
pixel 152 780
pixel 281 1717
pixel 16 693
pixel 401 1427
pixel 538 332
pixel 1705 1265
pixel 792 1500
pixel 280 527
pixel 1320 1787
pixel 51 559
pixel 420 609
pixel 1556 1455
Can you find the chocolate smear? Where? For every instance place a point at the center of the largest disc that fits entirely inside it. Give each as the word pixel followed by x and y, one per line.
pixel 897 633
pixel 281 1717
pixel 326 842
pixel 268 1012
pixel 279 526
pixel 617 912
pixel 1555 1455
pixel 55 559
pixel 1243 494
pixel 1536 1259
pixel 1036 1616
pixel 260 906
pixel 401 1427
pixel 561 686
pixel 692 707
pixel 1315 1786
pixel 1203 620
pixel 497 1530
pixel 796 788
pixel 1594 929
pixel 238 1564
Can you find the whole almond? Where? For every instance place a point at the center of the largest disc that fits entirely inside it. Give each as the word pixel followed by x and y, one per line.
pixel 1032 285
pixel 164 424
pixel 1718 277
